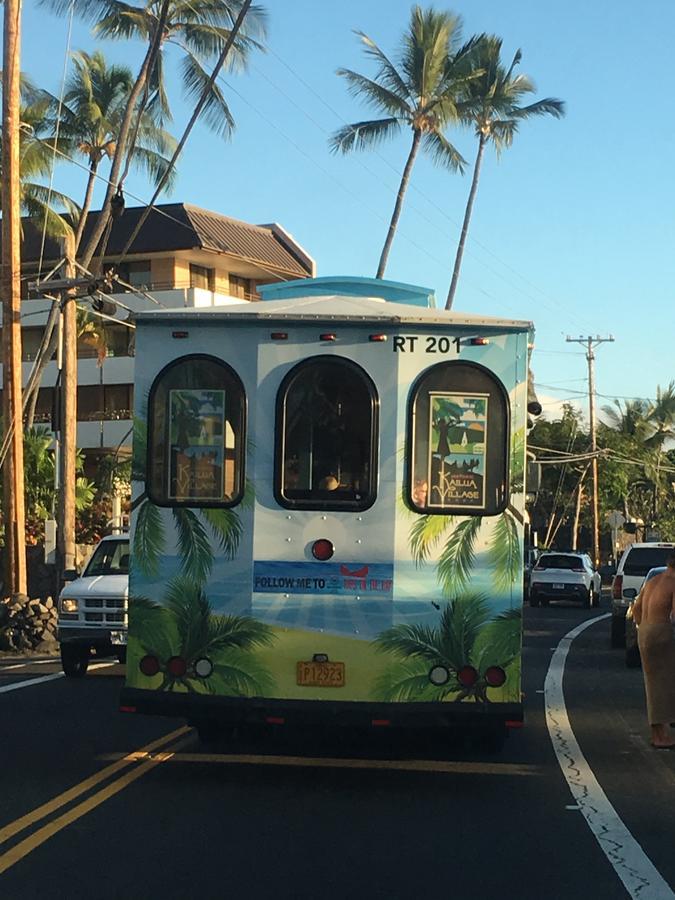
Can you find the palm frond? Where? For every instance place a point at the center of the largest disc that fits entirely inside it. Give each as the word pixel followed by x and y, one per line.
pixel 499 643
pixel 417 641
pixel 153 628
pixel 361 135
pixel 216 113
pixel 461 623
pixel 387 72
pixel 241 674
pixel 139 459
pixel 405 682
pixel 375 94
pixel 443 153
pixel 425 534
pixel 191 610
pixel 226 526
pixel 155 166
pixel 194 545
pixel 458 556
pixel 504 552
pixel 149 538
pixel 243 632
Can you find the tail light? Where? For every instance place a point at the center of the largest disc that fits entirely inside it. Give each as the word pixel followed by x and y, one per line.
pixel 176 666
pixel 149 665
pixel 495 676
pixel 467 676
pixel 617 587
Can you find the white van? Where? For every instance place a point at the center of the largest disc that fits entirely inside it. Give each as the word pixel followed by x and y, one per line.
pixel 636 561
pixel 93 608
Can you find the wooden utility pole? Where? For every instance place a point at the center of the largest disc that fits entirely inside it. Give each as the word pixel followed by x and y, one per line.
pixel 65 541
pixel 13 484
pixel 591 343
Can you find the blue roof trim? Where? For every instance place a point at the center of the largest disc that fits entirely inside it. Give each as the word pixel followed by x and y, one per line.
pixel 350 286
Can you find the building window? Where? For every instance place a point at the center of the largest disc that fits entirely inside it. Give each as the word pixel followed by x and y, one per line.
pixel 31 338
pixel 137 274
pixel 104 402
pixel 44 408
pixel 201 277
pixel 240 287
pixel 326 431
pixel 196 440
pixel 458 442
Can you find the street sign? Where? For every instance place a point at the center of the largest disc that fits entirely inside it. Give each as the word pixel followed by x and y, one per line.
pixel 615 518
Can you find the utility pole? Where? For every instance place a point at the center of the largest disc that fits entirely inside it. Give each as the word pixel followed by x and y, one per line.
pixel 591 343
pixel 13 483
pixel 65 544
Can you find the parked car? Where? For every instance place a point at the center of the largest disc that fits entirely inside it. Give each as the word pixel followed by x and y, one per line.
pixel 633 566
pixel 564 576
pixel 93 608
pixel 530 560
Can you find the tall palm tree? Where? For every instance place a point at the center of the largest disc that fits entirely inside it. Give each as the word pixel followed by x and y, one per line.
pixel 199 29
pixel 419 92
pixel 492 106
pixel 95 100
pixel 660 423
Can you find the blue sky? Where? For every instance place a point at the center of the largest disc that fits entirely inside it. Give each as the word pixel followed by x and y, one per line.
pixel 573 227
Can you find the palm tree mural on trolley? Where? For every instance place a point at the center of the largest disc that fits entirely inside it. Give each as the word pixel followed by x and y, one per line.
pixel 466 634
pixel 219 649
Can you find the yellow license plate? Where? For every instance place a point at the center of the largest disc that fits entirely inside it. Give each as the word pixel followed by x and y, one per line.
pixel 321 674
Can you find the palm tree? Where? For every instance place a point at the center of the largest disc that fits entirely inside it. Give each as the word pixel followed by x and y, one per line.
pixel 95 100
pixel 199 29
pixel 419 92
pixel 184 625
pixel 492 106
pixel 629 420
pixel 465 635
pixel 660 428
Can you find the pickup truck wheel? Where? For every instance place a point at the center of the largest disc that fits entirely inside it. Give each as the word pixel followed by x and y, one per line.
pixel 618 633
pixel 75 661
pixel 534 600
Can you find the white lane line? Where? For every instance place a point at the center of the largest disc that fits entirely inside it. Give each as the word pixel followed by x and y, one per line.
pixel 637 872
pixel 33 662
pixel 24 684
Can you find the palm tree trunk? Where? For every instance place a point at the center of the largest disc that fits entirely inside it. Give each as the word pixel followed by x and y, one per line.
pixel 465 224
pixel 44 355
pixel 122 138
pixel 403 187
pixel 86 206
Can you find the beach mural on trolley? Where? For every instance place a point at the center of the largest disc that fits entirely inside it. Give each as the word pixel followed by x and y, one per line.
pixel 226 621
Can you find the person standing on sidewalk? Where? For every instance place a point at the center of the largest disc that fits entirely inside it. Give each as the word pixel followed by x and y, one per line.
pixel 654 614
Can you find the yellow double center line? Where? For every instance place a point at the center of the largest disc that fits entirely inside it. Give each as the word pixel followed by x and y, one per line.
pixel 37 838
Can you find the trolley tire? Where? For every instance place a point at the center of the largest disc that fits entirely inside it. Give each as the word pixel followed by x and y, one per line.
pixel 74 660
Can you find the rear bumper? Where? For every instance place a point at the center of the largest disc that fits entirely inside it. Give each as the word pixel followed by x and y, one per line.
pixel 238 710
pixel 566 592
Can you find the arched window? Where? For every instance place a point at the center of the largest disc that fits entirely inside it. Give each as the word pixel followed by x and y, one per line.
pixel 327 410
pixel 458 441
pixel 196 413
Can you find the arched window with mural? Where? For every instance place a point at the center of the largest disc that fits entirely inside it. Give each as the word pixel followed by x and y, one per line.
pixel 196 421
pixel 458 441
pixel 326 429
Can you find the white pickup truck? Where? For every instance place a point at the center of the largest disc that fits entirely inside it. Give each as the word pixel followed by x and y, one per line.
pixel 93 608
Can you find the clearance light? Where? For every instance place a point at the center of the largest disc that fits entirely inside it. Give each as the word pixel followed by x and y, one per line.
pixel 203 667
pixel 327 337
pixel 149 665
pixel 478 342
pixel 495 676
pixel 467 676
pixel 279 336
pixel 439 675
pixel 322 549
pixel 275 720
pixel 377 337
pixel 380 723
pixel 176 666
pixel 180 335
pixel 127 709
pixel 514 723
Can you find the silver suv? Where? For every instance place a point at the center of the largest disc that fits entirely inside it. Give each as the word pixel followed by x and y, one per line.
pixel 636 561
pixel 564 576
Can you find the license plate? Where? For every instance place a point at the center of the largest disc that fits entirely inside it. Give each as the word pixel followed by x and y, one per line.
pixel 321 674
pixel 558 587
pixel 118 637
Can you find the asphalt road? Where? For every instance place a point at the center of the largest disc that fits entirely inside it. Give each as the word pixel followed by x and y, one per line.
pixel 326 817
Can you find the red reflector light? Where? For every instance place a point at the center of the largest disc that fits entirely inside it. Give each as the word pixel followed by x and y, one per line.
pixel 279 336
pixel 176 666
pixel 514 723
pixel 327 337
pixel 380 723
pixel 322 549
pixel 149 665
pixel 479 341
pixel 179 335
pixel 467 676
pixel 495 676
pixel 617 587
pixel 377 337
pixel 275 720
pixel 128 709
